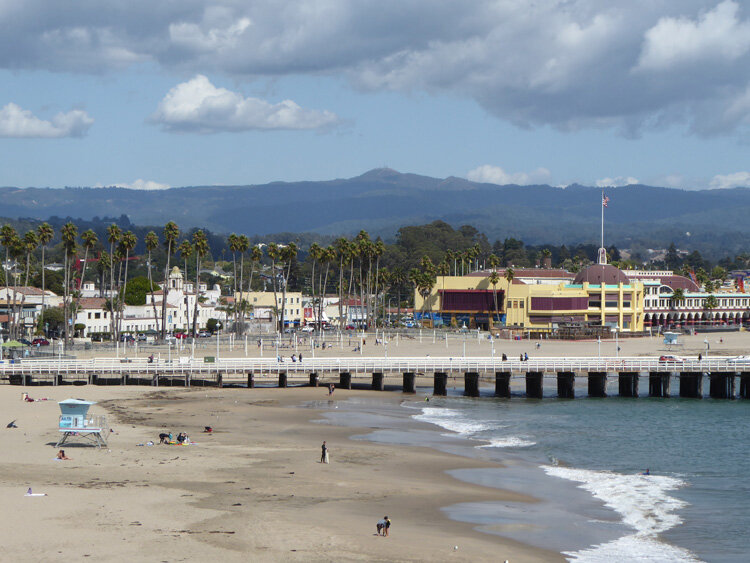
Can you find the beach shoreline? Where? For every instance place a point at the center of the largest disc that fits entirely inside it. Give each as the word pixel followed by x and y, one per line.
pixel 252 488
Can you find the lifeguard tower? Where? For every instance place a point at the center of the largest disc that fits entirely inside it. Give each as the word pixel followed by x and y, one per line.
pixel 75 421
pixel 671 339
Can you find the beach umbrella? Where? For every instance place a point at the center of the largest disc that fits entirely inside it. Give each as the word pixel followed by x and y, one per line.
pixel 13 344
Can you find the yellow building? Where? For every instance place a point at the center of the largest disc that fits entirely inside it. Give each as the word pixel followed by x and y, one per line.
pixel 537 300
pixel 264 300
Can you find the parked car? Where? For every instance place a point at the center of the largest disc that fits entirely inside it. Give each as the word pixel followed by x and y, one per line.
pixel 170 337
pixel 308 328
pixel 141 337
pixel 204 334
pixel 669 358
pixel 180 335
pixel 40 342
pixel 24 341
pixel 127 338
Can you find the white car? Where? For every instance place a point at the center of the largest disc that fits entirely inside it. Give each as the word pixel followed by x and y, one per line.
pixel 308 328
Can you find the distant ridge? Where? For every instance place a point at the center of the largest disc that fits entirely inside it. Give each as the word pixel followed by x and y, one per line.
pixel 383 199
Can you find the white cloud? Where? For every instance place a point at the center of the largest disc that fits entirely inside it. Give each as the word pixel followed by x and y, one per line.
pixel 616 181
pixel 717 34
pixel 200 107
pixel 495 175
pixel 738 179
pixel 563 63
pixel 18 122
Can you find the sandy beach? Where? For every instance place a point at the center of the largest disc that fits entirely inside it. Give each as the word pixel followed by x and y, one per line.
pixel 252 490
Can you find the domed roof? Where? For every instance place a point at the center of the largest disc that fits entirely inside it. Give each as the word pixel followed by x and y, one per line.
pixel 601 274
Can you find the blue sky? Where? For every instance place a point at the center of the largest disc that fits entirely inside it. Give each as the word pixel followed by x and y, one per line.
pixel 199 93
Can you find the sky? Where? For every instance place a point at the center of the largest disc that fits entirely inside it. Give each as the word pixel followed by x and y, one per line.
pixel 150 95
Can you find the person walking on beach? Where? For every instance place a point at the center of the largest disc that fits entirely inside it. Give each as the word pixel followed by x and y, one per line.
pixel 324 453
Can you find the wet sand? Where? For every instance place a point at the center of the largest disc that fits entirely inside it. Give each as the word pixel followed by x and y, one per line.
pixel 252 490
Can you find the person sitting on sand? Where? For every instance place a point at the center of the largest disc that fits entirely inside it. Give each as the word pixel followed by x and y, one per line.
pixel 165 438
pixel 208 429
pixel 61 455
pixel 181 438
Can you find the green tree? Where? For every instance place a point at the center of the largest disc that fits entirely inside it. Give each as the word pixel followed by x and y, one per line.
pixel 128 243
pixel 678 296
pixel 137 289
pixel 113 237
pixel 243 244
pixel 494 279
pixel 52 318
pixel 186 252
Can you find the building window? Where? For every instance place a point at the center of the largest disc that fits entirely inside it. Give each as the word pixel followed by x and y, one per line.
pixel 520 304
pixel 89 315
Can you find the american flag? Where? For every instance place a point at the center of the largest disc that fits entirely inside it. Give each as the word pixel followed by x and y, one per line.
pixel 605 200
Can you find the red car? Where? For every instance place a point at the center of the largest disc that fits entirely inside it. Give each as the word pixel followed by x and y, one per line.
pixel 180 335
pixel 40 342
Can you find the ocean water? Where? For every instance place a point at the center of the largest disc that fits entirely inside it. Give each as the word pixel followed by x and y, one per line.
pixel 694 506
pixel 584 459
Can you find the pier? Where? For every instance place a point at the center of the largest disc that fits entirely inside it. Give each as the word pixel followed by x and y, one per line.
pixel 478 375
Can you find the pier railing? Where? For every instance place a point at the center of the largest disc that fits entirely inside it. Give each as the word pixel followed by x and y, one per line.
pixel 361 366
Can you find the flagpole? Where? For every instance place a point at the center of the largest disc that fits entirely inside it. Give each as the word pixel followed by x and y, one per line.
pixel 602 204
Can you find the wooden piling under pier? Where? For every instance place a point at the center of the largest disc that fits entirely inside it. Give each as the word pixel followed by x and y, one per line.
pixel 471 384
pixel 378 381
pixel 409 382
pixel 566 384
pixel 534 384
pixel 721 385
pixel 250 380
pixel 598 384
pixel 628 383
pixel 502 384
pixel 313 379
pixel 658 384
pixel 345 380
pixel 691 384
pixel 440 384
pixel 745 385
pixel 282 379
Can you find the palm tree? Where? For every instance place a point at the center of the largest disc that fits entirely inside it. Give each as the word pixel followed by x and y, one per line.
pixel 494 278
pixel 341 245
pixel 232 242
pixel 171 234
pixel 69 232
pixel 315 254
pixel 243 243
pixel 45 232
pixel 288 254
pixel 509 275
pixel 443 270
pixel 152 243
pixel 256 255
pixel 90 240
pixel 113 237
pixel 200 244
pixel 8 238
pixel 274 253
pixel 398 280
pixel 327 256
pixel 186 252
pixel 546 254
pixel 129 240
pixel 678 296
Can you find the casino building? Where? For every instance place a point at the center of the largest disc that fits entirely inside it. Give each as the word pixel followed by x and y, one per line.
pixel 536 300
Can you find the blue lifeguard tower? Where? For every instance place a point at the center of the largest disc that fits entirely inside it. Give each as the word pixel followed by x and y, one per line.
pixel 75 421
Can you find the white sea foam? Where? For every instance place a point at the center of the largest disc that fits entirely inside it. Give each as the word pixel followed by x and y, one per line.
pixel 644 505
pixel 452 420
pixel 508 442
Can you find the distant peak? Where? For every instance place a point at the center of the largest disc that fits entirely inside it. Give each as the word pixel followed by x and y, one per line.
pixel 381 173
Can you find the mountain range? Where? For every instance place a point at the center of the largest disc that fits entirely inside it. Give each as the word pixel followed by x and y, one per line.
pixel 382 200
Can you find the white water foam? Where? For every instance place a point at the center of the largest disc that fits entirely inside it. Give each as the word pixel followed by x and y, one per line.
pixel 644 505
pixel 452 420
pixel 508 442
